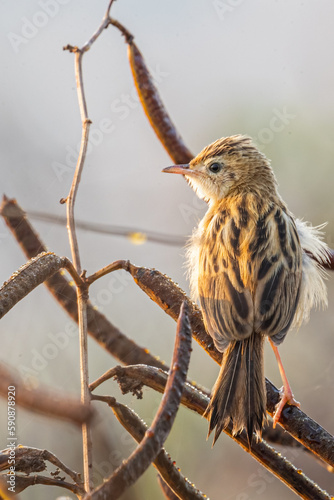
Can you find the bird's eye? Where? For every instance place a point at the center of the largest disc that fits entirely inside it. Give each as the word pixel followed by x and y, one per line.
pixel 215 168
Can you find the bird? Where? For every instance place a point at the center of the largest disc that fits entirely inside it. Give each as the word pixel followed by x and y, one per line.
pixel 256 271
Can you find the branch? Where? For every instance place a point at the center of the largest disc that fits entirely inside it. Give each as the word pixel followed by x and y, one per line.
pixel 23 482
pixel 154 438
pixel 134 234
pixel 31 460
pixel 168 492
pixel 43 400
pixel 105 333
pixel 163 463
pixel 152 103
pixel 196 401
pixel 28 277
pixel 132 378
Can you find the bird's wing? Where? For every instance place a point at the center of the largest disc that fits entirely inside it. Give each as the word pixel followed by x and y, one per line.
pixel 277 276
pixel 226 302
pixel 249 280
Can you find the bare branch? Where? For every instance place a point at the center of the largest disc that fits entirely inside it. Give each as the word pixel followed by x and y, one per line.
pixel 261 451
pixel 134 234
pixel 104 332
pixel 82 291
pixel 132 378
pixel 163 463
pixel 43 400
pixel 28 277
pixel 152 103
pixel 114 266
pixel 168 492
pixel 23 482
pixel 29 460
pixel 154 438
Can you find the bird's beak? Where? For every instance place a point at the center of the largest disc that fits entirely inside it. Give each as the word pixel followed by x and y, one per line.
pixel 180 169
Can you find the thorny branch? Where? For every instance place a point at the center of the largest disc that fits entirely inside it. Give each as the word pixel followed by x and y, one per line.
pixel 156 435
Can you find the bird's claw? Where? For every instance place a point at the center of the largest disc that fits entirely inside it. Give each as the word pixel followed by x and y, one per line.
pixel 286 398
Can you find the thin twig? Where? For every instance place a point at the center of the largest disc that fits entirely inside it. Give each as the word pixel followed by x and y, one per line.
pixel 114 266
pixel 155 437
pixel 136 235
pixel 163 463
pixel 43 400
pixel 29 460
pixel 82 291
pixel 23 482
pixel 261 451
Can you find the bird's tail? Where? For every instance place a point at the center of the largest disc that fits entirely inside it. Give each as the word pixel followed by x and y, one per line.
pixel 239 392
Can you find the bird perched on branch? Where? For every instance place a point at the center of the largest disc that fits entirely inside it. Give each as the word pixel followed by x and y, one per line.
pixel 257 272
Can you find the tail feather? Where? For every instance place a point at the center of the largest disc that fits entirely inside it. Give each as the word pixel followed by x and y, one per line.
pixel 239 392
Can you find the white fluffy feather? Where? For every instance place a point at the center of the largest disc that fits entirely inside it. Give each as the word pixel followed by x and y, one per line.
pixel 313 291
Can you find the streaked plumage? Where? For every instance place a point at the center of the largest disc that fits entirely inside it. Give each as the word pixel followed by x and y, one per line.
pixel 251 267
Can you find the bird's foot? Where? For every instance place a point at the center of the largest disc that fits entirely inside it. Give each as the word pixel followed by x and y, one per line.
pixel 286 398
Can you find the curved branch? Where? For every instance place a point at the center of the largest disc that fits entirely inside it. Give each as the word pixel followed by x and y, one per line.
pixel 163 463
pixel 261 451
pixel 156 435
pixel 152 102
pixel 28 277
pixel 23 482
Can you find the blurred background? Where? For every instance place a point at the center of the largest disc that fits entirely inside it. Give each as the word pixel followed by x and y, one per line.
pixel 261 68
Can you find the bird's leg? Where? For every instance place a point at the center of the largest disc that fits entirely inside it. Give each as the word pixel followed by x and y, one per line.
pixel 286 392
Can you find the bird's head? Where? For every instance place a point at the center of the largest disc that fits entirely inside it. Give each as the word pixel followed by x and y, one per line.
pixel 231 165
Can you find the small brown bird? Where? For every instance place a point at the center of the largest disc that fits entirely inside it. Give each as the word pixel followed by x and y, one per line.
pixel 256 271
